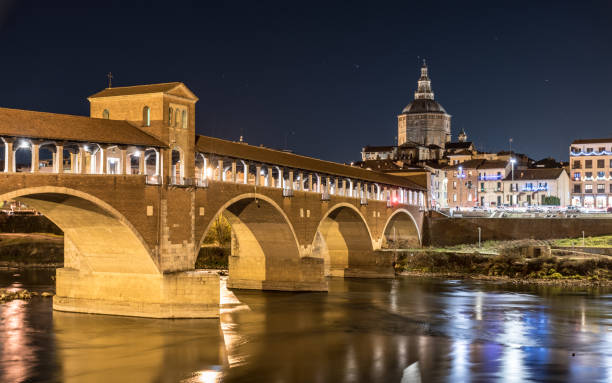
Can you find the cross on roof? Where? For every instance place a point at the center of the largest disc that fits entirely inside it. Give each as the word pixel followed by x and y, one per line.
pixel 110 79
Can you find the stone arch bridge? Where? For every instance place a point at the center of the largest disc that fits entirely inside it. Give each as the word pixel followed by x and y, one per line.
pixel 135 211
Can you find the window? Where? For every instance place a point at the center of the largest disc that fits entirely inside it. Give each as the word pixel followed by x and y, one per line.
pixel 602 150
pixel 589 150
pixel 146 116
pixel 575 149
pixel 588 164
pixel 577 188
pixel 482 186
pixel 105 114
pixel 576 164
pixel 470 197
pixel 601 164
pixel 610 188
pixel 588 175
pixel 177 115
pixel 577 176
pixel 454 184
pixel 601 188
pixel 454 197
pixel 499 186
pixel 601 175
pixel 169 116
pixel 588 188
pixel 610 164
pixel 184 119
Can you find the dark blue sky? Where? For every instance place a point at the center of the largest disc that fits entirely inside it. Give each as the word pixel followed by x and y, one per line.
pixel 335 74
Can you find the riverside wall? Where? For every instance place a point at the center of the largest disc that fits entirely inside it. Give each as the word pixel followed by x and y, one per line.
pixel 454 231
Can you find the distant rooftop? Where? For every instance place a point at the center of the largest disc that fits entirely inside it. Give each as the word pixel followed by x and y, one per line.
pixel 593 141
pixel 535 174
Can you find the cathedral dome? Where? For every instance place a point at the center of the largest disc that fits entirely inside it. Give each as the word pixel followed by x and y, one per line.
pixel 423 105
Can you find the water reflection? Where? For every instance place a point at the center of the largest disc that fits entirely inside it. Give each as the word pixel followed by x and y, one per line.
pixel 361 331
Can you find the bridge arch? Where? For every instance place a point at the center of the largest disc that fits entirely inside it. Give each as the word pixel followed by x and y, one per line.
pixel 401 230
pixel 343 239
pixel 265 251
pixel 98 238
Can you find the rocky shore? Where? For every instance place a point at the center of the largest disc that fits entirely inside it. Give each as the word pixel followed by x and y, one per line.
pixel 7 295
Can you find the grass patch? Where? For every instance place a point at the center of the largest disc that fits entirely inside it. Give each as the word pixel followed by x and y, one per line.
pixel 212 257
pixel 601 241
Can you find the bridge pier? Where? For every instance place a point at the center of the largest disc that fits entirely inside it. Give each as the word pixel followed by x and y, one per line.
pixel 189 294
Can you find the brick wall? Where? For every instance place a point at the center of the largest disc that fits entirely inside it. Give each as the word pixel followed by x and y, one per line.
pixel 454 231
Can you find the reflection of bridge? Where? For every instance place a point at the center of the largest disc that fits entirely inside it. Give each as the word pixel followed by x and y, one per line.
pixel 135 195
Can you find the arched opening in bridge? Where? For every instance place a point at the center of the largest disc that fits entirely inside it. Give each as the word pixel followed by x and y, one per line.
pixel 178 166
pixel 264 252
pixel 401 231
pixel 151 162
pixel 23 156
pixel 343 241
pixel 96 237
pixel 47 157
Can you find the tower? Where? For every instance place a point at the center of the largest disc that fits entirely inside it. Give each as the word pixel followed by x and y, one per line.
pixel 424 121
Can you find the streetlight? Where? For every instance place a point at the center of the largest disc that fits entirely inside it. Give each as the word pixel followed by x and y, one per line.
pixel 460 168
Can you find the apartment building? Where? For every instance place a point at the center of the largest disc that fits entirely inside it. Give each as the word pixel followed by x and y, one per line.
pixel 591 173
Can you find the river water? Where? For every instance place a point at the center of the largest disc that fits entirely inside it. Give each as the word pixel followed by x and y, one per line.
pixel 402 330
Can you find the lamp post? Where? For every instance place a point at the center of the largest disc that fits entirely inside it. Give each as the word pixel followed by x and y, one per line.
pixel 459 175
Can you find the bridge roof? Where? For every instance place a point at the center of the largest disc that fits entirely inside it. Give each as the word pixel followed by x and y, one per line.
pixel 65 127
pixel 205 144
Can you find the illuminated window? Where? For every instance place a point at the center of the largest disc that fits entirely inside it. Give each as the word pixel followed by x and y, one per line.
pixel 146 116
pixel 177 115
pixel 454 197
pixel 105 114
pixel 169 116
pixel 588 188
pixel 184 119
pixel 601 188
pixel 577 176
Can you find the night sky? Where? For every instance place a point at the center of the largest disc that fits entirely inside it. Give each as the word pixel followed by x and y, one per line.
pixel 327 78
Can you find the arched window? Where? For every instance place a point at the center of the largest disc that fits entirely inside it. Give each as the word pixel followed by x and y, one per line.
pixel 184 119
pixel 169 116
pixel 146 116
pixel 105 114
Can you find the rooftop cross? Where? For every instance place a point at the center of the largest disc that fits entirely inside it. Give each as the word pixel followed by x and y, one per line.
pixel 110 79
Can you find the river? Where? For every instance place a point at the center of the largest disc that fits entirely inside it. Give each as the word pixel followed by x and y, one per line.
pixel 402 330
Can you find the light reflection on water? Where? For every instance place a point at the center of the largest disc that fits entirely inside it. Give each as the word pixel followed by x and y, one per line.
pixel 362 330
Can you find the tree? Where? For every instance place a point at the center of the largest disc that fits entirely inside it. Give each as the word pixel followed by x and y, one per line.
pixel 551 201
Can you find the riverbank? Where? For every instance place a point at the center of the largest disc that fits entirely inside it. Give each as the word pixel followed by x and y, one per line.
pixel 508 266
pixel 31 250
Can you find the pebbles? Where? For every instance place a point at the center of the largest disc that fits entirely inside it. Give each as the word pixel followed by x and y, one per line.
pixel 7 295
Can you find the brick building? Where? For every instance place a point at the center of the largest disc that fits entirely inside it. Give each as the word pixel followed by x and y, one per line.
pixel 591 173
